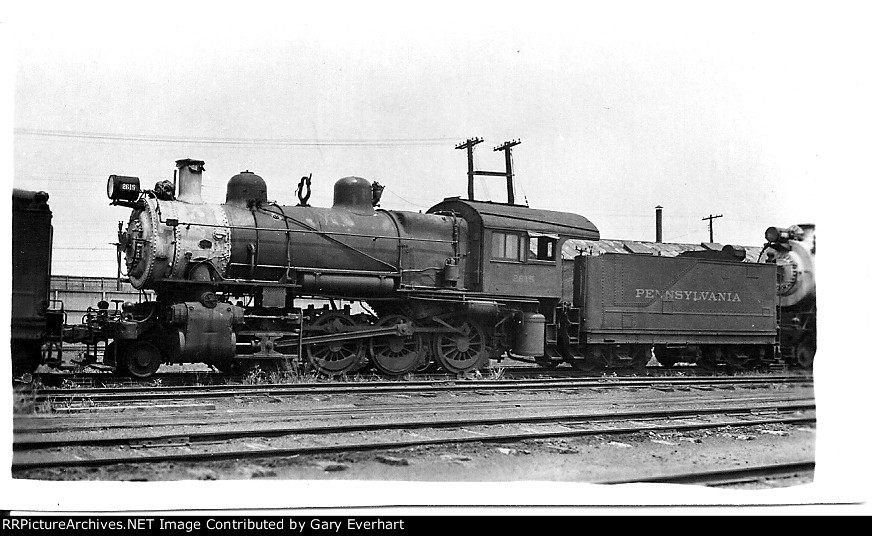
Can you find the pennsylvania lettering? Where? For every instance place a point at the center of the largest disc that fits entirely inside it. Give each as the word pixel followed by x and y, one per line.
pixel 689 295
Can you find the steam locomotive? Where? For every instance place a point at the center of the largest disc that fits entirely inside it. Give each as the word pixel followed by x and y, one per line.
pixel 793 250
pixel 466 282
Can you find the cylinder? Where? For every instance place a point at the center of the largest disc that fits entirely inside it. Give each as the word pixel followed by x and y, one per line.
pixel 530 335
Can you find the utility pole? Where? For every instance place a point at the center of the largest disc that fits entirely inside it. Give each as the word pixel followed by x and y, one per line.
pixel 711 227
pixel 507 148
pixel 471 171
pixel 468 145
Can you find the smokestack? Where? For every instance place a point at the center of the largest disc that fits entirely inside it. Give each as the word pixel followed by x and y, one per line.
pixel 659 212
pixel 190 180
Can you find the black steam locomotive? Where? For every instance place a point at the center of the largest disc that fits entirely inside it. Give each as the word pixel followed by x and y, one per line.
pixel 793 251
pixel 466 282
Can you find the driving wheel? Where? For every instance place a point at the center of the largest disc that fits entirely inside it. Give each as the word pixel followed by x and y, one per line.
pixel 394 354
pixel 462 348
pixel 335 357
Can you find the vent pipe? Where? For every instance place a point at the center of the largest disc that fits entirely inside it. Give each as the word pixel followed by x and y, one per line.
pixel 659 212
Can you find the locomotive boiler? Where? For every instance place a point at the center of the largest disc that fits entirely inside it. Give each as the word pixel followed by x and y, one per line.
pixel 792 250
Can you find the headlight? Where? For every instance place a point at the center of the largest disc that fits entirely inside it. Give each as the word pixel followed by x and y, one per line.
pixel 123 188
pixel 774 234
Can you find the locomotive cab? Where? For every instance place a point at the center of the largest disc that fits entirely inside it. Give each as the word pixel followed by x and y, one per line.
pixel 513 249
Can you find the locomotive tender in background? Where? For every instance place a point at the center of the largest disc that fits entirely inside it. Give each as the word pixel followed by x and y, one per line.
pixel 34 322
pixel 464 283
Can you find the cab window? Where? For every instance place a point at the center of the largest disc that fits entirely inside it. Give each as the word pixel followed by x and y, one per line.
pixel 506 246
pixel 541 248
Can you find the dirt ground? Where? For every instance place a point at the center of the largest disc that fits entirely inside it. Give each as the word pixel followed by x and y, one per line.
pixel 582 459
pixel 587 459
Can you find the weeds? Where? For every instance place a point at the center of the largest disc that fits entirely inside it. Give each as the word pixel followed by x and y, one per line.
pixel 255 376
pixel 497 373
pixel 291 374
pixel 25 401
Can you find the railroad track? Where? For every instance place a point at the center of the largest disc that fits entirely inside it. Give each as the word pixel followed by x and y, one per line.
pixel 727 477
pixel 33 441
pixel 121 394
pixel 108 379
pixel 195 417
pixel 36 453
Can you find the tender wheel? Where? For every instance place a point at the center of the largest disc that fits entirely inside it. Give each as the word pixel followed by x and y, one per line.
pixel 666 358
pixel 707 363
pixel 805 354
pixel 461 350
pixel 619 356
pixel 737 358
pixel 709 358
pixel 337 357
pixel 396 355
pixel 641 354
pixel 141 359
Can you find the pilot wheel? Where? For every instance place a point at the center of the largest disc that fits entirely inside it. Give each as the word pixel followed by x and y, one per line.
pixel 141 359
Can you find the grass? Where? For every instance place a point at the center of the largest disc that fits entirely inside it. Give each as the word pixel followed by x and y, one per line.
pixel 497 373
pixel 24 400
pixel 290 373
pixel 284 375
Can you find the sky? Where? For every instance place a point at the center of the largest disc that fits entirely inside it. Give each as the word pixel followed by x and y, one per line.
pixel 756 111
pixel 704 111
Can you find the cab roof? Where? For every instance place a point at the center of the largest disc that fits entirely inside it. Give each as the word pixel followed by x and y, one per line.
pixel 518 217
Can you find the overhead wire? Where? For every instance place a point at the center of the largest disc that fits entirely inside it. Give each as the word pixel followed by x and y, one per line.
pixel 390 191
pixel 151 138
